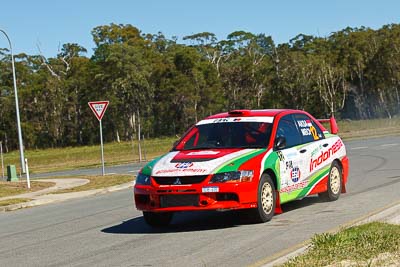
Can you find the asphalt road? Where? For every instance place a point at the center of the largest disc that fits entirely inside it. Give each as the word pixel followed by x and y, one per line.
pixel 106 230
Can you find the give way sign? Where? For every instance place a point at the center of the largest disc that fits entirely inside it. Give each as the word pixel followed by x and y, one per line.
pixel 98 108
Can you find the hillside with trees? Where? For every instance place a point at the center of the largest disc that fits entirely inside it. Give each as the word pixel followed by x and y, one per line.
pixel 167 86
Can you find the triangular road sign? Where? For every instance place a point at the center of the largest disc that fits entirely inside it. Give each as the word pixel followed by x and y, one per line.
pixel 98 108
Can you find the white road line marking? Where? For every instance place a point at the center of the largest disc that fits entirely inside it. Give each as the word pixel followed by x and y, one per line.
pixel 360 147
pixel 111 173
pixel 134 171
pixel 385 145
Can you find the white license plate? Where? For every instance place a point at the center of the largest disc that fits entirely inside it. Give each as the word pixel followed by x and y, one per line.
pixel 210 189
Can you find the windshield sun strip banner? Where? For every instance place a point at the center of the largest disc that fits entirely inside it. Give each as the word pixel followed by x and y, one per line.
pixel 237 119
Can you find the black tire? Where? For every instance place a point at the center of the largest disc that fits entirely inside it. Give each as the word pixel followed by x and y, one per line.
pixel 334 183
pixel 157 219
pixel 266 201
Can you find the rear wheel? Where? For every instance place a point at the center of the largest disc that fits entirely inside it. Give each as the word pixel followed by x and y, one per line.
pixel 334 183
pixel 266 201
pixel 157 219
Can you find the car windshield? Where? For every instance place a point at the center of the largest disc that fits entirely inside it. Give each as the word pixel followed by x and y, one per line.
pixel 226 135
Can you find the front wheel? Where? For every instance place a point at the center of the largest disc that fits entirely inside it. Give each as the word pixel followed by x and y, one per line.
pixel 334 183
pixel 157 219
pixel 266 201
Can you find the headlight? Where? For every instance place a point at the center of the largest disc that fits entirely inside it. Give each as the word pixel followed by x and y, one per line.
pixel 143 179
pixel 231 177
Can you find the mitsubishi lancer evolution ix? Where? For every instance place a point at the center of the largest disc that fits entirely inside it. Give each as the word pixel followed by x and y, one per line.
pixel 253 160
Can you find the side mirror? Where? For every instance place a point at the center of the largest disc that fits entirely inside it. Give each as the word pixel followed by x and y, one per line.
pixel 280 143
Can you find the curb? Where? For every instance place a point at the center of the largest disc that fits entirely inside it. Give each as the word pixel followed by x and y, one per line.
pixel 52 198
pixel 390 214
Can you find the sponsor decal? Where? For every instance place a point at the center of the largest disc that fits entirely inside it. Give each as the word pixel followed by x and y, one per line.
pixel 295 174
pixel 281 156
pixel 291 155
pixel 210 189
pixel 316 150
pixel 325 155
pixel 289 165
pixel 203 153
pixel 305 131
pixel 304 123
pixel 294 187
pixel 221 120
pixel 183 165
pixel 238 119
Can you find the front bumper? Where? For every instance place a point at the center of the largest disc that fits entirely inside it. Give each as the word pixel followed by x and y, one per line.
pixel 196 196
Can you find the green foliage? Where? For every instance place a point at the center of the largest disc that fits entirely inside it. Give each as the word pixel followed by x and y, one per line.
pixel 165 87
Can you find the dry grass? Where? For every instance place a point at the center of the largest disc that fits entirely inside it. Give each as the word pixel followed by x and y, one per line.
pixel 20 187
pixel 97 182
pixel 13 201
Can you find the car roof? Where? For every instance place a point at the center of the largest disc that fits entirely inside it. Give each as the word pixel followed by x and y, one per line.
pixel 263 113
pixel 253 113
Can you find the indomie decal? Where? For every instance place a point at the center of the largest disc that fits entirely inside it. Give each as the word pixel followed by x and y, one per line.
pixel 325 155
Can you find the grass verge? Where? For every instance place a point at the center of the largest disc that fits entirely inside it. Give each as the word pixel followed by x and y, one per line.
pixel 372 244
pixel 97 182
pixel 13 201
pixel 20 187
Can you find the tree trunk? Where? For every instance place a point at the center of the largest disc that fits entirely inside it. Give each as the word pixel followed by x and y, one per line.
pixel 118 139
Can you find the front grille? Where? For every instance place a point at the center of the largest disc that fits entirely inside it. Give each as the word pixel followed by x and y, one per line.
pixel 196 179
pixel 167 201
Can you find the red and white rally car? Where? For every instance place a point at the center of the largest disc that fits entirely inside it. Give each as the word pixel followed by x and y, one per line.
pixel 244 159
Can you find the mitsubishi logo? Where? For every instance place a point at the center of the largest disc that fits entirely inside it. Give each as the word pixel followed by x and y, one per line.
pixel 177 181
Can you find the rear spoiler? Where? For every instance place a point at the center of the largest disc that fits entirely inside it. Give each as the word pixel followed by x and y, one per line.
pixel 333 124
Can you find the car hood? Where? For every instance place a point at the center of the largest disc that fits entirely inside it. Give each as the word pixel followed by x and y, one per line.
pixel 196 162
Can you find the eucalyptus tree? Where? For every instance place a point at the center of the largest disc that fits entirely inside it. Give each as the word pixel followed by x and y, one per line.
pixel 123 59
pixel 247 71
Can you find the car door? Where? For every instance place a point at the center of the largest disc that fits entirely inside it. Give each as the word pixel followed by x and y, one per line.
pixel 291 159
pixel 313 142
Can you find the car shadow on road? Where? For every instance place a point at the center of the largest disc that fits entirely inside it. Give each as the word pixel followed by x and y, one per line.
pixel 182 222
pixel 298 204
pixel 200 220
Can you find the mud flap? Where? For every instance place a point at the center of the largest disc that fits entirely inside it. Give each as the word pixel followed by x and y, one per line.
pixel 278 209
pixel 344 187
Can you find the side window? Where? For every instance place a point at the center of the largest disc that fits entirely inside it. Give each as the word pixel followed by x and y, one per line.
pixel 288 129
pixel 309 130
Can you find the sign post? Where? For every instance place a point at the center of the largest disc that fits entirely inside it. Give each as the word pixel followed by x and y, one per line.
pixel 99 108
pixel 28 180
pixel 2 161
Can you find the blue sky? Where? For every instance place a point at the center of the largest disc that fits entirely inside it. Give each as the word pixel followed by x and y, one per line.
pixel 51 23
